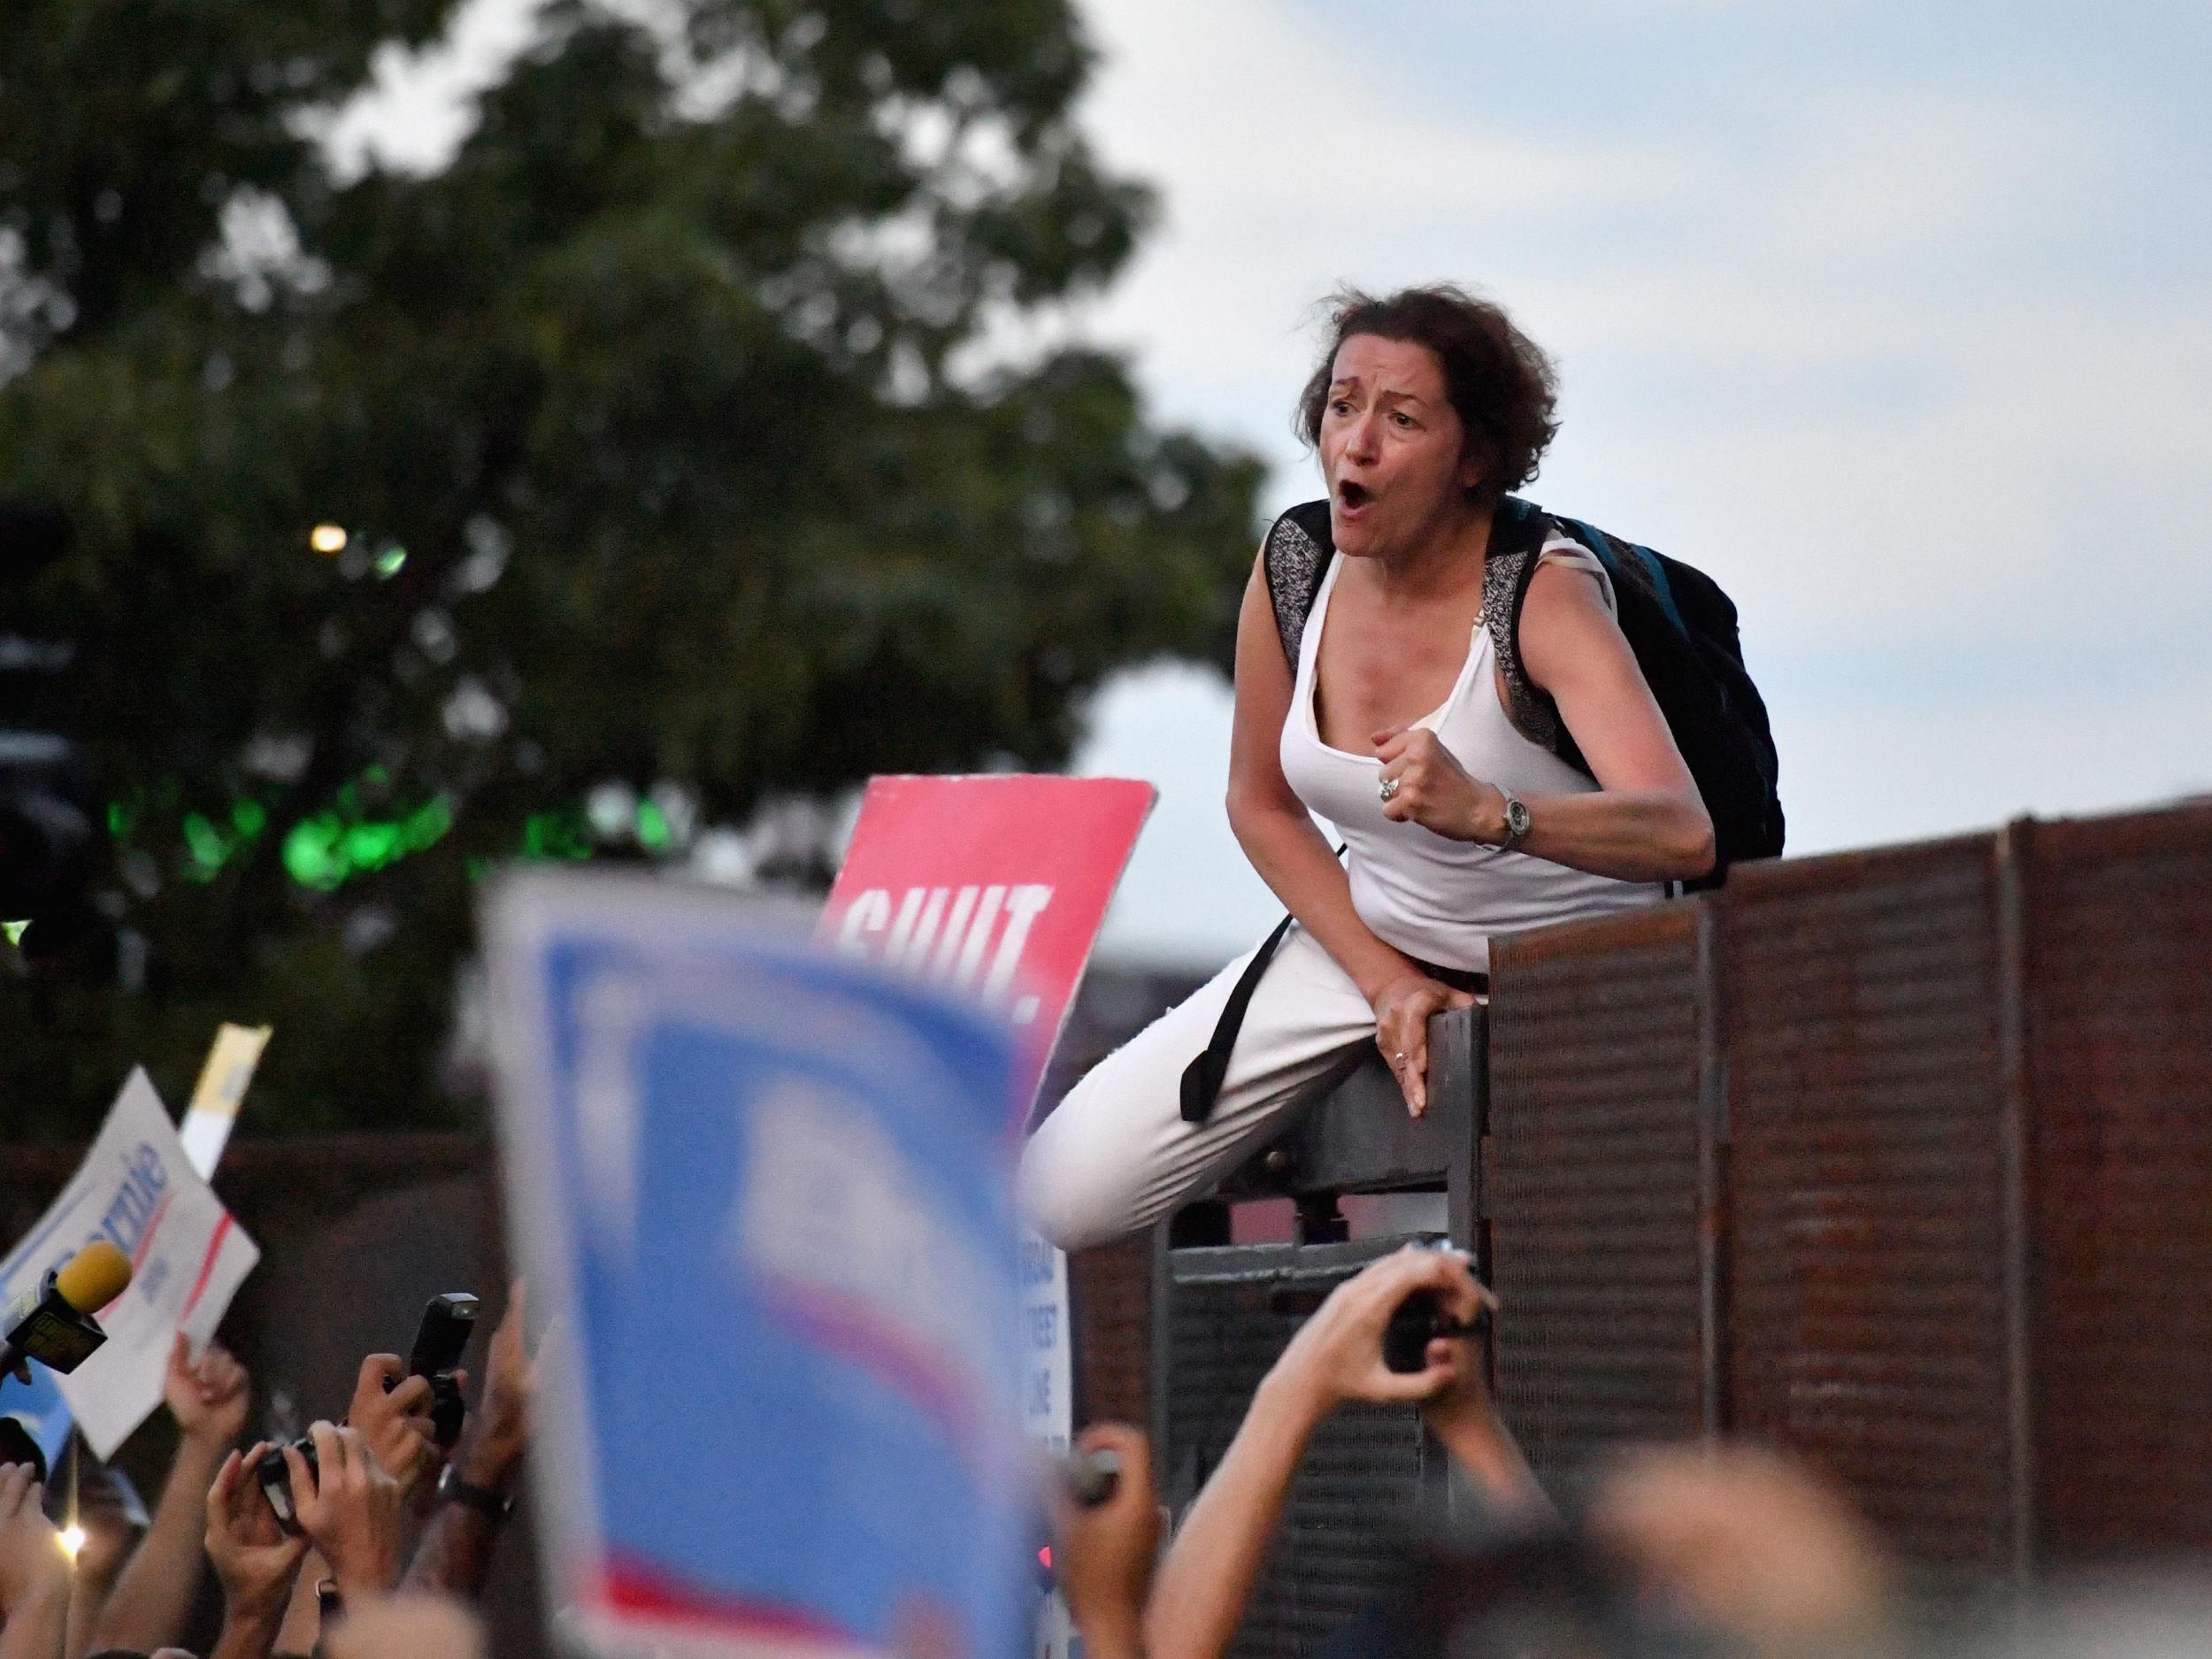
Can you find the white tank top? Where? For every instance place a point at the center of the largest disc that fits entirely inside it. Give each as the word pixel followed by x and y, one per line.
pixel 1436 899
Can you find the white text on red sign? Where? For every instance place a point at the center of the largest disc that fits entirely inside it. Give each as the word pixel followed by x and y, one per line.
pixel 945 933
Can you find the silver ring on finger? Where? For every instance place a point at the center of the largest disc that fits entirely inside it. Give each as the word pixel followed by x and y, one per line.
pixel 1387 788
pixel 1399 1058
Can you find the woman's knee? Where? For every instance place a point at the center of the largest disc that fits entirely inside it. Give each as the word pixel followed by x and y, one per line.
pixel 1070 1194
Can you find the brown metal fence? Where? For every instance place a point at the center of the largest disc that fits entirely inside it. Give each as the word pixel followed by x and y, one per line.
pixel 1595 1185
pixel 1945 1114
pixel 1869 1326
pixel 1109 1297
pixel 2117 961
pixel 1900 1159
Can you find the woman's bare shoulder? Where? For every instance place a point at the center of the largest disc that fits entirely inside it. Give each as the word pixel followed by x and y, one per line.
pixel 1564 619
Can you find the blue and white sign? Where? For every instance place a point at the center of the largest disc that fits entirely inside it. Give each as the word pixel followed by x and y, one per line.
pixel 767 1192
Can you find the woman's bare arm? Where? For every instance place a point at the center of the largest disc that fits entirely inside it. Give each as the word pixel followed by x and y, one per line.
pixel 1272 824
pixel 1646 821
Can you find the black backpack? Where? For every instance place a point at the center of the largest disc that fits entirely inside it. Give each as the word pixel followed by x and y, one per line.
pixel 1677 621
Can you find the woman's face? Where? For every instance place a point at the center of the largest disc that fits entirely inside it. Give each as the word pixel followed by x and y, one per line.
pixel 1390 447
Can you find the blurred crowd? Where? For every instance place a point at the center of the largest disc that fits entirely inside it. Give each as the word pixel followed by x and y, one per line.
pixel 372 1537
pixel 366 1538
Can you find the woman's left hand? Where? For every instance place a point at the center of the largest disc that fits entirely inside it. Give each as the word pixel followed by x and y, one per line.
pixel 1434 790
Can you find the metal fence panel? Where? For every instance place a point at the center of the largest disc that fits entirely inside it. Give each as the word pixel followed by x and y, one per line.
pixel 2119 956
pixel 1869 1296
pixel 1595 1189
pixel 1110 1293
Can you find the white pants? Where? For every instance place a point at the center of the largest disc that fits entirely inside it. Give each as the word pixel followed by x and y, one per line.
pixel 1116 1154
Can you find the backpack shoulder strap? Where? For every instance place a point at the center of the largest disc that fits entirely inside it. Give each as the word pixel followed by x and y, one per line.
pixel 1296 556
pixel 1516 539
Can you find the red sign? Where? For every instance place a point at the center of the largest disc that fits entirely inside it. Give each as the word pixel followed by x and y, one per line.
pixel 993 885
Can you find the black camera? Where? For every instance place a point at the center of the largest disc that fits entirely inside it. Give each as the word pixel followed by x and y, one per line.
pixel 1419 1320
pixel 447 1324
pixel 275 1479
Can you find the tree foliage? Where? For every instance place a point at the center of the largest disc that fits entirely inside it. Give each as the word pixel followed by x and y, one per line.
pixel 664 429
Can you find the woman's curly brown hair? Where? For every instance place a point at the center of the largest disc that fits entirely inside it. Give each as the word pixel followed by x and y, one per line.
pixel 1499 381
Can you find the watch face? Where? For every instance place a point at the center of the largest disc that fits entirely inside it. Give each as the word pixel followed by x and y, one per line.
pixel 1517 819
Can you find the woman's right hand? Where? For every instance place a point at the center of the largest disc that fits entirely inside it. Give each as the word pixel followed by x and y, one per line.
pixel 1403 1008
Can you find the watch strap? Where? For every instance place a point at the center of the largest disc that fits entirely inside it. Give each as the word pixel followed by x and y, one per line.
pixel 483 1500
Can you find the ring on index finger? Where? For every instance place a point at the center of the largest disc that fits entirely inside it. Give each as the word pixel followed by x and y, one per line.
pixel 1387 788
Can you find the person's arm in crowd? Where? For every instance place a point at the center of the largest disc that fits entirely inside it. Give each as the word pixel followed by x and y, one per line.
pixel 303 1622
pixel 109 1539
pixel 255 1560
pixel 455 1551
pixel 1207 1579
pixel 1770 1559
pixel 1465 1421
pixel 395 1428
pixel 1103 1554
pixel 34 1571
pixel 153 1593
pixel 351 1509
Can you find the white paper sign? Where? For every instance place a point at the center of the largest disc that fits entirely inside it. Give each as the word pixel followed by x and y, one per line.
pixel 137 1188
pixel 213 1112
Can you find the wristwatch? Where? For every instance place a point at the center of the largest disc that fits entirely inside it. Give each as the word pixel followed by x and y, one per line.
pixel 453 1489
pixel 1516 821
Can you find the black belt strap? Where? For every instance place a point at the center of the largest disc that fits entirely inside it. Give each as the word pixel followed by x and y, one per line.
pixel 1202 1077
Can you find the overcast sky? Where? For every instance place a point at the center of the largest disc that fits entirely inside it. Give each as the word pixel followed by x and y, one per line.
pixel 1896 318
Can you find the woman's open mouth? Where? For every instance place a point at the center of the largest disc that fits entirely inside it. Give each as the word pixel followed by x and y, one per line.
pixel 1353 497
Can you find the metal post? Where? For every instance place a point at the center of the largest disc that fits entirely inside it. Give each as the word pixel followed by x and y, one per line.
pixel 2014 852
pixel 1715 1404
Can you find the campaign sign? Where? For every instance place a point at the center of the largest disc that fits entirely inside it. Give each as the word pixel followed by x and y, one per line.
pixel 37 1406
pixel 765 1188
pixel 994 887
pixel 137 1189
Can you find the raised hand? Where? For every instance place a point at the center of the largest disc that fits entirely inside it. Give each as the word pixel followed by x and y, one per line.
pixel 1104 1555
pixel 207 1396
pixel 392 1412
pixel 255 1559
pixel 502 1426
pixel 34 1571
pixel 350 1508
pixel 1338 1354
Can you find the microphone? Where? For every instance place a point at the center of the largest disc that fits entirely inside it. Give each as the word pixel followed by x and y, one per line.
pixel 54 1323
